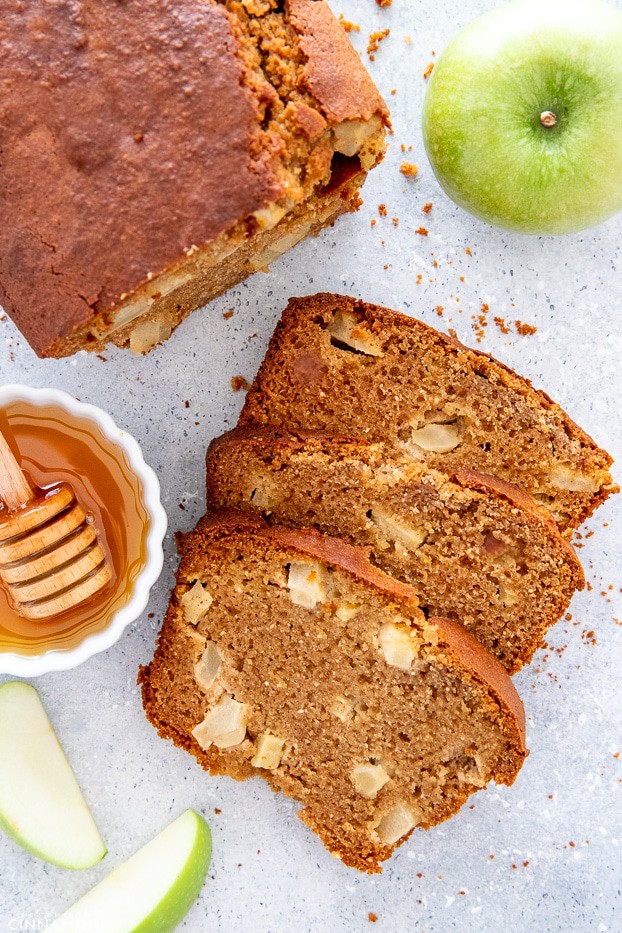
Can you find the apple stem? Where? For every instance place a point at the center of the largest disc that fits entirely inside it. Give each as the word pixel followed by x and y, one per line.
pixel 548 118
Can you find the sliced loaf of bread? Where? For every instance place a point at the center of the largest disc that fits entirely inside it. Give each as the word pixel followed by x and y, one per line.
pixel 473 547
pixel 286 654
pixel 337 364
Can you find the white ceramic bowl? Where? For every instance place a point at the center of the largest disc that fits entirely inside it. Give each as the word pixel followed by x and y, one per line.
pixel 34 665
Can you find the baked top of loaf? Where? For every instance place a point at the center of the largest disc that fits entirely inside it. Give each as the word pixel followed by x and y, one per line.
pixel 286 654
pixel 340 365
pixel 134 133
pixel 474 548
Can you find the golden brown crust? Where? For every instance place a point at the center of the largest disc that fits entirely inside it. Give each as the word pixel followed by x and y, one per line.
pixel 333 73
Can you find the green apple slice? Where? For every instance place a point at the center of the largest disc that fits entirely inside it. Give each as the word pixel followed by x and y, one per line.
pixel 41 804
pixel 153 891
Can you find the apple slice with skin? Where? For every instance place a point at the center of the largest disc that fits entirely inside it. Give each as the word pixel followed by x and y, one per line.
pixel 41 804
pixel 153 891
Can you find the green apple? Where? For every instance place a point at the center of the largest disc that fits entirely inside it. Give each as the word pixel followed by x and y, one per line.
pixel 153 891
pixel 522 119
pixel 41 804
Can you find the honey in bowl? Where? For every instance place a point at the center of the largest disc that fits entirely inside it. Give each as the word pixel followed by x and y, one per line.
pixel 54 446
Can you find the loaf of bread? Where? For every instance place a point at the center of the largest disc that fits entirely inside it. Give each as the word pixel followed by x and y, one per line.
pixel 474 548
pixel 286 654
pixel 156 153
pixel 339 365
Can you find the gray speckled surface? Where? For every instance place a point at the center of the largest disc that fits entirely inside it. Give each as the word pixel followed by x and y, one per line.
pixel 554 835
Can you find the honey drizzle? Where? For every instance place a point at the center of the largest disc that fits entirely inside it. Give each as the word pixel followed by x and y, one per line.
pixel 53 447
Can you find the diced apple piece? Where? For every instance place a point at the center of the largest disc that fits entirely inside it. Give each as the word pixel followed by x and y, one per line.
pixel 437 438
pixel 347 611
pixel 395 824
pixel 564 477
pixel 269 752
pixel 399 532
pixel 41 804
pixel 346 329
pixel 306 583
pixel 153 891
pixel 398 645
pixel 195 603
pixel 225 724
pixel 369 779
pixel 207 667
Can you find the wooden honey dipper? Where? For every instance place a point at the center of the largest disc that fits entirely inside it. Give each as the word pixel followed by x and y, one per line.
pixel 50 558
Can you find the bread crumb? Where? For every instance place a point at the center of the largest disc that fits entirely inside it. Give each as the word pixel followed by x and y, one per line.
pixel 427 207
pixel 394 91
pixel 239 382
pixel 396 221
pixel 373 221
pixel 374 41
pixel 422 231
pixel 468 251
pixel 382 210
pixel 371 916
pixel 227 315
pixel 409 169
pixel 439 310
pixel 428 70
pixel 384 2
pixel 525 330
pixel 347 25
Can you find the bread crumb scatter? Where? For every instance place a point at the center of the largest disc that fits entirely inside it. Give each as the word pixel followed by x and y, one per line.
pixel 374 41
pixel 422 231
pixel 239 382
pixel 382 210
pixel 396 221
pixel 409 169
pixel 427 208
pixel 347 25
pixel 227 315
pixel 428 70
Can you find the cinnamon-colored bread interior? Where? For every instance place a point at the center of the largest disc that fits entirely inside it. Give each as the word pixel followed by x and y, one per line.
pixel 474 549
pixel 287 655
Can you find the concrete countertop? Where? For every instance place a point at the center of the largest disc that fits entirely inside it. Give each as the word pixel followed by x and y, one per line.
pixel 540 856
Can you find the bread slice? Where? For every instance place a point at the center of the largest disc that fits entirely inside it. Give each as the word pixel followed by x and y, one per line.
pixel 286 654
pixel 473 547
pixel 337 364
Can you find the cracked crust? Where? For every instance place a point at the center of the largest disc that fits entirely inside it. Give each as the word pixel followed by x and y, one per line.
pixel 111 208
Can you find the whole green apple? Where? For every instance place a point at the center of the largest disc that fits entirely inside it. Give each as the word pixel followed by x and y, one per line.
pixel 522 119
